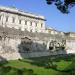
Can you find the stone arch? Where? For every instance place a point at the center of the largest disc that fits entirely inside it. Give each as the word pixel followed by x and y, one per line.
pixel 25 45
pixel 63 42
pixel 26 39
pixel 50 45
pixel 57 46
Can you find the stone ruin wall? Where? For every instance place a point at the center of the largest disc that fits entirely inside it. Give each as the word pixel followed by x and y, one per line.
pixel 18 44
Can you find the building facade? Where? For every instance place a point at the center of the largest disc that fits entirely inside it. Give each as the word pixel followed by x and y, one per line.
pixel 53 31
pixel 24 34
pixel 14 18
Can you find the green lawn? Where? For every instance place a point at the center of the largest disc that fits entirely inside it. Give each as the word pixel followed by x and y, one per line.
pixel 53 65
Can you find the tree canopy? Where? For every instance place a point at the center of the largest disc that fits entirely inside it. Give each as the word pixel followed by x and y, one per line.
pixel 63 5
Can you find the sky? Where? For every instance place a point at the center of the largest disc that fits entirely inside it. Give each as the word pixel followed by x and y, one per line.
pixel 54 18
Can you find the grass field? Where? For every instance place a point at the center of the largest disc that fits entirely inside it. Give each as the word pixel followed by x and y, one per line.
pixel 53 65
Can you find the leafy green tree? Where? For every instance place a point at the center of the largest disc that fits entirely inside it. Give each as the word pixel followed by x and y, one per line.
pixel 63 5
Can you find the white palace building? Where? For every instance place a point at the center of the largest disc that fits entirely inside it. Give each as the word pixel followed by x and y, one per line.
pixel 14 18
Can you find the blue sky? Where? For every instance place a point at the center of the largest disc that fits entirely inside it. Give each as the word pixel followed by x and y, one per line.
pixel 55 19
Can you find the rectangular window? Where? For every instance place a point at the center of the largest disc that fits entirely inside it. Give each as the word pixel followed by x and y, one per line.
pixel 13 19
pixel 36 31
pixel 19 21
pixel 30 23
pixel 36 24
pixel 0 17
pixel 31 30
pixel 41 25
pixel 25 22
pixel 6 18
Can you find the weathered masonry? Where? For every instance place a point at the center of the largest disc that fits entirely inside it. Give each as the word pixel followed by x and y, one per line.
pixel 23 35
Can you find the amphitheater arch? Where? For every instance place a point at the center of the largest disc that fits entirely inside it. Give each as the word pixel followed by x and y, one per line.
pixel 50 45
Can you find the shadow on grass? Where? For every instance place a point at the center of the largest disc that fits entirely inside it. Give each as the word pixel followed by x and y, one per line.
pixel 8 70
pixel 3 61
pixel 46 62
pixel 51 63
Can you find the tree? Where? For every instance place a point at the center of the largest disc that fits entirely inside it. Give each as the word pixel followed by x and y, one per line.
pixel 63 5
